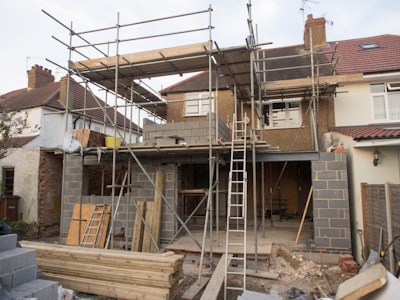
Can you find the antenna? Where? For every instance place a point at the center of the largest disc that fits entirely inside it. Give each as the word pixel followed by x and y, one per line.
pixel 304 6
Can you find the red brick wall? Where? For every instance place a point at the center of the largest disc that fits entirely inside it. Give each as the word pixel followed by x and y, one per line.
pixel 50 188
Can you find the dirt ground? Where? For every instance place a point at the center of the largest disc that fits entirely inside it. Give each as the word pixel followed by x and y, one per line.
pixel 298 279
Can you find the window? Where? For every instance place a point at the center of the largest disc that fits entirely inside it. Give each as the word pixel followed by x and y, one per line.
pixel 282 113
pixel 8 181
pixel 198 104
pixel 385 102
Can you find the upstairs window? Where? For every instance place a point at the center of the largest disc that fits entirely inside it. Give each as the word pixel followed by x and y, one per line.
pixel 284 113
pixel 385 102
pixel 198 104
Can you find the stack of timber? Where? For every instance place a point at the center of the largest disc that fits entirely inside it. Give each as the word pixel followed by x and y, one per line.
pixel 110 273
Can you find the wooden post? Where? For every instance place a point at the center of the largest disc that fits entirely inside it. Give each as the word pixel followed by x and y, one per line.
pixel 304 214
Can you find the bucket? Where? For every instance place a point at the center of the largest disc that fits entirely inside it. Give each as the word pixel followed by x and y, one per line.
pixel 110 142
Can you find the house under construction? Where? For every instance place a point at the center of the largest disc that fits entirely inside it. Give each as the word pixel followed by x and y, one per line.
pixel 225 153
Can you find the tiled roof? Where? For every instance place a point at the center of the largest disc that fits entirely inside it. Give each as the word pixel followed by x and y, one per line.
pixel 198 82
pixel 350 57
pixel 369 132
pixel 353 59
pixel 49 96
pixel 17 142
pixel 284 63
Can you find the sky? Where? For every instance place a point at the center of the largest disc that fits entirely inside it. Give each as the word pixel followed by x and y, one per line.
pixel 29 36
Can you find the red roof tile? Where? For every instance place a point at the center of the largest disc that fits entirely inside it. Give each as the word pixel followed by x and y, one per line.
pixel 368 132
pixel 49 96
pixel 353 59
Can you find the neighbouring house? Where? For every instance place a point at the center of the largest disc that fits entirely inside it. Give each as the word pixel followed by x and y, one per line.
pixel 32 172
pixel 367 125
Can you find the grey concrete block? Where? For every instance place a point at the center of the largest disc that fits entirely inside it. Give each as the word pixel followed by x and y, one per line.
pixel 38 288
pixel 6 280
pixel 8 242
pixel 17 258
pixel 23 275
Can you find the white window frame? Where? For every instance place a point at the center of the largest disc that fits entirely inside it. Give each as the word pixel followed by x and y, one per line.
pixel 390 103
pixel 282 117
pixel 198 104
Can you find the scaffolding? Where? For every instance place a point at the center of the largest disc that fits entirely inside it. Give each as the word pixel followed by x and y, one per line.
pixel 245 69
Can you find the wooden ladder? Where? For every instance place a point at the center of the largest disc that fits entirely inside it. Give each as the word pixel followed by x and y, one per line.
pixel 94 226
pixel 236 223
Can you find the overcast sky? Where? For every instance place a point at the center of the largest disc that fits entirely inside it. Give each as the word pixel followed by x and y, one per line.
pixel 26 32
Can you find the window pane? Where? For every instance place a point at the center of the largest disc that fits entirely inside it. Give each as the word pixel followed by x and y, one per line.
pixel 192 104
pixel 394 106
pixel 379 107
pixel 8 181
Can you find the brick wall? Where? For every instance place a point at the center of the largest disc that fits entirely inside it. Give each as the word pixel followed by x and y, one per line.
pixel 50 186
pixel 331 203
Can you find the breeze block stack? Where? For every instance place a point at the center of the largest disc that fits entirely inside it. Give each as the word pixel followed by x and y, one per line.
pixel 19 273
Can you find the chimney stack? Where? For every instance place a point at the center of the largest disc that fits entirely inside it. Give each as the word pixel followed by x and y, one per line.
pixel 317 28
pixel 39 77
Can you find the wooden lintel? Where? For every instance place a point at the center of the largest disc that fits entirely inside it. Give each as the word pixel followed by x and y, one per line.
pixel 307 82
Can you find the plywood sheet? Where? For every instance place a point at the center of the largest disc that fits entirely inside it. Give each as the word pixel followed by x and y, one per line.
pixel 82 216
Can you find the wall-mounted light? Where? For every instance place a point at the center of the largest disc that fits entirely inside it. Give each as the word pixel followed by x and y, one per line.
pixel 376 157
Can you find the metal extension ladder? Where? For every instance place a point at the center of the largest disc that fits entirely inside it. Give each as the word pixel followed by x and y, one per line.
pixel 236 224
pixel 94 226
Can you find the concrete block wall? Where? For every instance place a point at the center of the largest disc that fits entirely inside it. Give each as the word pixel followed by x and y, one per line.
pixel 143 190
pixel 19 273
pixel 331 203
pixel 190 132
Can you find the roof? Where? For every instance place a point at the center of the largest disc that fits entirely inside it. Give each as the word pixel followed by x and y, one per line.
pixel 18 142
pixel 49 96
pixel 195 83
pixel 368 132
pixel 354 59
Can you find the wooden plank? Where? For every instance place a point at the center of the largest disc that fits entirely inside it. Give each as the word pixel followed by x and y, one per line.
pixel 157 209
pixel 73 232
pixel 302 82
pixel 122 275
pixel 138 228
pixel 153 216
pixel 257 274
pixel 109 289
pixel 145 56
pixel 214 286
pixel 195 289
pixel 304 214
pixel 363 283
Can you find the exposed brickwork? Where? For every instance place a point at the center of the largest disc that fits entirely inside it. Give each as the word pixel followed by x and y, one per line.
pixel 50 186
pixel 331 203
pixel 348 265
